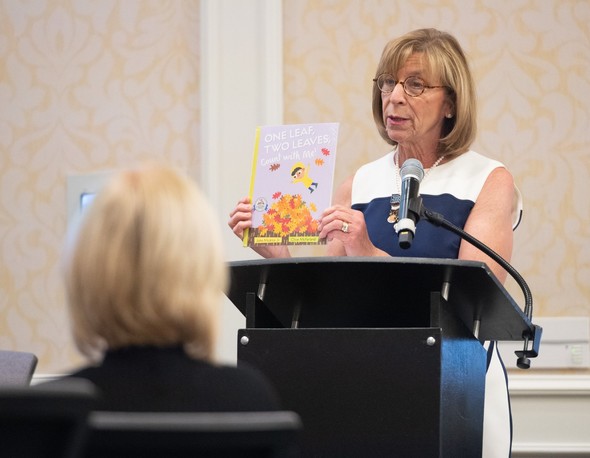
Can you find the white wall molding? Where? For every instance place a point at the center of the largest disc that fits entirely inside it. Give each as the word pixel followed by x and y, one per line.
pixel 553 450
pixel 551 415
pixel 549 384
pixel 241 87
pixel 241 47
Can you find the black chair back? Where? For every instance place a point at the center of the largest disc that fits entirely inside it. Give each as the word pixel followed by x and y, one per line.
pixel 44 421
pixel 185 434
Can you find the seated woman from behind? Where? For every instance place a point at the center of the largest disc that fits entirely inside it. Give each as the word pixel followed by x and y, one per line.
pixel 145 276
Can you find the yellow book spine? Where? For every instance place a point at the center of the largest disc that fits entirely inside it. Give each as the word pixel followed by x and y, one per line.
pixel 252 180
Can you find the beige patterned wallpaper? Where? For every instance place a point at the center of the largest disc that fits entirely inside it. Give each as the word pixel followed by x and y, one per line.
pixel 84 86
pixel 531 60
pixel 88 86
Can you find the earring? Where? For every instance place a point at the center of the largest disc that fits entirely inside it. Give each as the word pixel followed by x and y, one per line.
pixel 449 115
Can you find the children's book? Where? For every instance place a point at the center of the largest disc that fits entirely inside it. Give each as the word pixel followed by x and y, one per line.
pixel 291 185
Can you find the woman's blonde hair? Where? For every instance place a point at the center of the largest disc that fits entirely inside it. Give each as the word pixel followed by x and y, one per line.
pixel 447 66
pixel 146 266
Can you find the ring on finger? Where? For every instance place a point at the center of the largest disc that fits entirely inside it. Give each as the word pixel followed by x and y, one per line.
pixel 344 227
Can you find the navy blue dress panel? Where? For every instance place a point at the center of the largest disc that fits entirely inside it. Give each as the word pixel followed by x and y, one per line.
pixel 430 241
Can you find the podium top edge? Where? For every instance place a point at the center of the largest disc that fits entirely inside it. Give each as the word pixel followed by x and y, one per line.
pixel 475 292
pixel 363 259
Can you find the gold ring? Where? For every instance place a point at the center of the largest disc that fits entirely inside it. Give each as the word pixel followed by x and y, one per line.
pixel 344 227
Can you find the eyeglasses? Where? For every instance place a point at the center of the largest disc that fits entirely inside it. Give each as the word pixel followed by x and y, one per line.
pixel 413 86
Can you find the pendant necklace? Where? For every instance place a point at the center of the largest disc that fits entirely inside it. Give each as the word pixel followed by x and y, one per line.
pixel 396 197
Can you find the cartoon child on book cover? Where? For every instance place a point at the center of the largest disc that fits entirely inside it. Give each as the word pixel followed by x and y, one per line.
pixel 299 174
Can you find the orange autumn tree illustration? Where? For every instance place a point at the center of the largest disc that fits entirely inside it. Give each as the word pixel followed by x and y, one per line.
pixel 288 215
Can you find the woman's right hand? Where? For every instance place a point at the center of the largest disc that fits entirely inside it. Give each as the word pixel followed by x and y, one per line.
pixel 241 217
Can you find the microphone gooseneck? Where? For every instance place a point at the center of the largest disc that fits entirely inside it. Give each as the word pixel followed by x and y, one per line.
pixel 523 361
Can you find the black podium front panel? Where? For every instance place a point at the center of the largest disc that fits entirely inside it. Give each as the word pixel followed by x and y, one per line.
pixel 377 392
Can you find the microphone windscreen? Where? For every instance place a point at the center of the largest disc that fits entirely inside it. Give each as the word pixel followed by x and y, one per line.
pixel 412 168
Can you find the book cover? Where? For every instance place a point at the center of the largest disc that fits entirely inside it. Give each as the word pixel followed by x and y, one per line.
pixel 291 184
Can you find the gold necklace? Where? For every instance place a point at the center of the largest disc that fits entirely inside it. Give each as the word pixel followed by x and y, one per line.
pixel 396 198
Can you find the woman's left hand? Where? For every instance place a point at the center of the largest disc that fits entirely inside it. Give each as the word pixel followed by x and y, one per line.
pixel 348 227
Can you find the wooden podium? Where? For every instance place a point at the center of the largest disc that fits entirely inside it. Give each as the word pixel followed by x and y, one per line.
pixel 377 355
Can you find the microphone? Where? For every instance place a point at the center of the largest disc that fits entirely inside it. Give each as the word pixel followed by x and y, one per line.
pixel 410 206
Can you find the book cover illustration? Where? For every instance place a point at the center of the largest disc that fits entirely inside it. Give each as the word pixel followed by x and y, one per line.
pixel 291 184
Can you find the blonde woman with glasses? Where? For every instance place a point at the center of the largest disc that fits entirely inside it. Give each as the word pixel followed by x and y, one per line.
pixel 424 108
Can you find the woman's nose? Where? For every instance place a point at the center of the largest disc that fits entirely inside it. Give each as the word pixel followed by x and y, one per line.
pixel 398 92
